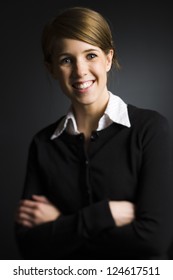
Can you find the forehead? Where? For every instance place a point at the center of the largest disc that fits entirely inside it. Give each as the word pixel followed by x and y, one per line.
pixel 72 46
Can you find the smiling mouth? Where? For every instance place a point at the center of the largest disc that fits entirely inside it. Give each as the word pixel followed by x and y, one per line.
pixel 83 85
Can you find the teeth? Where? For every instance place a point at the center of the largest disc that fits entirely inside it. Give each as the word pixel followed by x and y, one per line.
pixel 83 85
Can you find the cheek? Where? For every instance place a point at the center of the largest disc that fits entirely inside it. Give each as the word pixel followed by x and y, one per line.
pixel 65 74
pixel 60 75
pixel 63 79
pixel 101 71
pixel 102 66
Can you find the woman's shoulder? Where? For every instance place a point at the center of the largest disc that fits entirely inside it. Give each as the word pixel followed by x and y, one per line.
pixel 45 133
pixel 143 119
pixel 143 115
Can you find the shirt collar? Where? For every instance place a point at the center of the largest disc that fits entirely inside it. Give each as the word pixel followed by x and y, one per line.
pixel 116 111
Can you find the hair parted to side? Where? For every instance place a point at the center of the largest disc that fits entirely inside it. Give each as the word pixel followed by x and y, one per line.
pixel 78 23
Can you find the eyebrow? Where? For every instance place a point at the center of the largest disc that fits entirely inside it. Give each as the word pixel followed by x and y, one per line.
pixel 85 51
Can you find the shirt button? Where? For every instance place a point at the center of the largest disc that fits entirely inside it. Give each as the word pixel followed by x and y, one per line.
pixel 81 137
pixel 94 136
pixel 86 162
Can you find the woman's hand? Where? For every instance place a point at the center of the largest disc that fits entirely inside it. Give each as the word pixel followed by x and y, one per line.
pixel 37 211
pixel 123 212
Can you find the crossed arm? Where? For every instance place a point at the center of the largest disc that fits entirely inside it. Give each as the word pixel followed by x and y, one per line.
pixel 40 210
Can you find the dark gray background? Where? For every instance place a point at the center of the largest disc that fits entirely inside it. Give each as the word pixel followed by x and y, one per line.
pixel 30 100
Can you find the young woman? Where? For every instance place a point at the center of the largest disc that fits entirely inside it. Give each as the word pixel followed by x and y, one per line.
pixel 98 180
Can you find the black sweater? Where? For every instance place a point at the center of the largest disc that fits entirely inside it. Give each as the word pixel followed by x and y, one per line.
pixel 122 163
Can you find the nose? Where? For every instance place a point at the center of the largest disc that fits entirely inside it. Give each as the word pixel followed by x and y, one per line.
pixel 79 69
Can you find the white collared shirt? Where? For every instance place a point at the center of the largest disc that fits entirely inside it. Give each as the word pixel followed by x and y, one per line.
pixel 116 111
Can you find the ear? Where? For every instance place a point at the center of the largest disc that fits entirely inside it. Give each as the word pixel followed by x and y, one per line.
pixel 109 59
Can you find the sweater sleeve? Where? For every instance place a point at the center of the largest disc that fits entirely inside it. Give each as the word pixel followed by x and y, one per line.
pixel 151 233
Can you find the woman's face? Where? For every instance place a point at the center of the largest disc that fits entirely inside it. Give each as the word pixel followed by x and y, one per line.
pixel 81 70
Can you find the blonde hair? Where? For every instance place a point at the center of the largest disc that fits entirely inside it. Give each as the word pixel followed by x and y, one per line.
pixel 78 23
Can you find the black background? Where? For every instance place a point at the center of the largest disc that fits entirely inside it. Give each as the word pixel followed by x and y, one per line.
pixel 30 100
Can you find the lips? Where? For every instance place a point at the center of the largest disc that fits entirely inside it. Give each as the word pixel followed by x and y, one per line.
pixel 83 85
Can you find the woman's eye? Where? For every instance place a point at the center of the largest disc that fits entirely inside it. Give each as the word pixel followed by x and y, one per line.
pixel 91 55
pixel 66 60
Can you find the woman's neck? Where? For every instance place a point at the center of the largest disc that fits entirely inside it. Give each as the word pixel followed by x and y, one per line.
pixel 88 116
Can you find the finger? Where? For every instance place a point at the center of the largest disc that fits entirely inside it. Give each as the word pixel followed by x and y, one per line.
pixel 28 212
pixel 28 203
pixel 22 217
pixel 25 222
pixel 40 198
